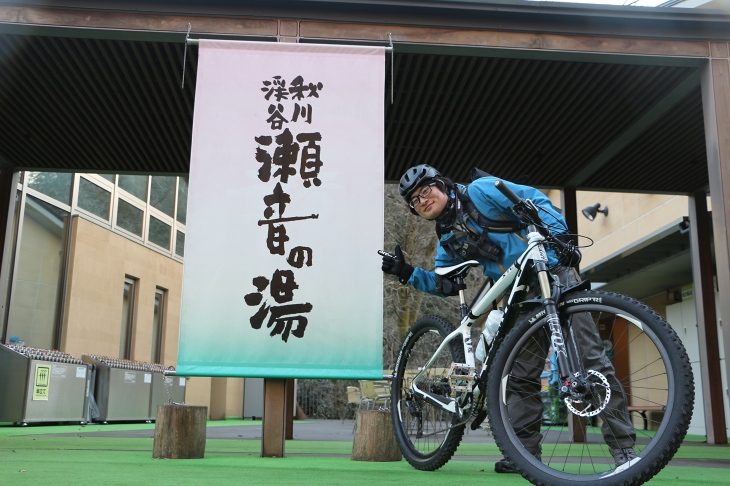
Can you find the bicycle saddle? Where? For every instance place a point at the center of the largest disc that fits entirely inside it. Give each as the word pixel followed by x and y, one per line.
pixel 456 270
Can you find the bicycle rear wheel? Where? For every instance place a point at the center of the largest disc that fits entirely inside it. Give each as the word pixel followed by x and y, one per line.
pixel 654 373
pixel 427 435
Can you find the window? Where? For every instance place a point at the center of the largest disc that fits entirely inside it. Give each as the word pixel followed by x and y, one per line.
pixel 53 184
pixel 182 200
pixel 130 217
pixel 36 290
pixel 125 337
pixel 162 194
pixel 94 199
pixel 135 185
pixel 157 325
pixel 180 244
pixel 159 233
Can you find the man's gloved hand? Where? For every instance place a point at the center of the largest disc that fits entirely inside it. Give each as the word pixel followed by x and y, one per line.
pixel 397 266
pixel 447 287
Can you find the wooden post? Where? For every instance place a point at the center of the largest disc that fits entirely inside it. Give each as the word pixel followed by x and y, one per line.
pixel 715 86
pixel 289 411
pixel 274 423
pixel 180 432
pixel 374 437
pixel 577 427
pixel 704 297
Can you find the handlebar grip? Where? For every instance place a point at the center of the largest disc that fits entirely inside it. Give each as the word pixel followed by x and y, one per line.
pixel 502 187
pixel 386 254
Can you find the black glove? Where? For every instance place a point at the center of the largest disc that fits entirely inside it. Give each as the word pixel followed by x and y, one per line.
pixel 397 266
pixel 447 287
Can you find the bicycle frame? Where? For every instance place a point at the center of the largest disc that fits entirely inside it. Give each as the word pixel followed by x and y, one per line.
pixel 534 256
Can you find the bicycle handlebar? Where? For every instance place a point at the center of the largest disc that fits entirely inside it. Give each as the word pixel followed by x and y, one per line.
pixel 386 254
pixel 525 210
pixel 502 187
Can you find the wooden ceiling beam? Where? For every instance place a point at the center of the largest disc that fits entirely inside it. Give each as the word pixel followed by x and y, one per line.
pixel 542 42
pixel 141 25
pixel 130 25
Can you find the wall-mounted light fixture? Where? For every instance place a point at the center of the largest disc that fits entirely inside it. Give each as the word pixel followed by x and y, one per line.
pixel 591 211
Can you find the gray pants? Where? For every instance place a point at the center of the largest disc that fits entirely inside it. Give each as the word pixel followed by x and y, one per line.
pixel 524 403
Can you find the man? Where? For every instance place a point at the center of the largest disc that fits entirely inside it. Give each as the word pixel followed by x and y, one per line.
pixel 474 223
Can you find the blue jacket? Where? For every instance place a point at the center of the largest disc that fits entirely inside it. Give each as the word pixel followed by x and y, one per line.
pixel 493 204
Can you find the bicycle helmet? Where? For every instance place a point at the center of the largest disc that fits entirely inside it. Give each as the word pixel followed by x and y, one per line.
pixel 414 178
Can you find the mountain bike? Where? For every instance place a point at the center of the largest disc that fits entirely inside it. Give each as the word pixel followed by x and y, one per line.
pixel 439 387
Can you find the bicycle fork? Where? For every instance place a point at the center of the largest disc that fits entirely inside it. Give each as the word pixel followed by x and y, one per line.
pixel 574 385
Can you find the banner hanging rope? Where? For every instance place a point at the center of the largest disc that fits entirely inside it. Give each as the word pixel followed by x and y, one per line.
pixel 185 55
pixel 392 65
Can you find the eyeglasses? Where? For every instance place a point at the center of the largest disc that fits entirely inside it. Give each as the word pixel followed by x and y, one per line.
pixel 416 200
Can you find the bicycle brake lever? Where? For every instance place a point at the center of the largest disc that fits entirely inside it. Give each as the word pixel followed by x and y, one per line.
pixel 527 212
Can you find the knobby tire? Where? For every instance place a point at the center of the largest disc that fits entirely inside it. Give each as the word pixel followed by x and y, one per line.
pixel 655 373
pixel 426 434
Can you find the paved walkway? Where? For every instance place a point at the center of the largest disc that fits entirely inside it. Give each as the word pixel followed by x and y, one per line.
pixel 323 430
pixel 307 430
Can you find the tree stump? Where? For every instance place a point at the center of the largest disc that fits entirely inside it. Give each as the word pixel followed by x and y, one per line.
pixel 374 437
pixel 180 432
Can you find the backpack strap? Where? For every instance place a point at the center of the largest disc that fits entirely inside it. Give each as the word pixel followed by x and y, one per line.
pixel 487 224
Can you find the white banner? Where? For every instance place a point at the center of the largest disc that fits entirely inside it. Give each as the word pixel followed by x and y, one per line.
pixel 285 213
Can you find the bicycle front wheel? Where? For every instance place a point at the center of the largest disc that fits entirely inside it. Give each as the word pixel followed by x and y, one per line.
pixel 639 405
pixel 427 435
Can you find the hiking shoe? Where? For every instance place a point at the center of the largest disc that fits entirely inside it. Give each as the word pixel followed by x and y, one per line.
pixel 622 456
pixel 503 466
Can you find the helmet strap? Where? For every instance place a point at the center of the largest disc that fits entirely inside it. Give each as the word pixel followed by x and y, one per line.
pixel 453 207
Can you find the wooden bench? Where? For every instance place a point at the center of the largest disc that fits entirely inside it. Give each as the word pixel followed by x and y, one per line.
pixel 642 409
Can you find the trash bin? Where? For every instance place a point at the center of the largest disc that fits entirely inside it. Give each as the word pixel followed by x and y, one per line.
pixel 166 389
pixel 122 388
pixel 42 385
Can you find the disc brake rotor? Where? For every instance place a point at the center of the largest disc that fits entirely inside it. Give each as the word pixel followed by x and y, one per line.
pixel 595 400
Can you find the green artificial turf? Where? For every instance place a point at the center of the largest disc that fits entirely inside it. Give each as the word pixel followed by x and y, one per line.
pixel 122 467
pixel 36 455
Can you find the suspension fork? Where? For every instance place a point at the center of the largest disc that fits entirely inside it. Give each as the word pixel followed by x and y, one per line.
pixel 551 295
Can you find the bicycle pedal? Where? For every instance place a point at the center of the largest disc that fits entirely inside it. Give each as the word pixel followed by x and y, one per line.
pixel 461 378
